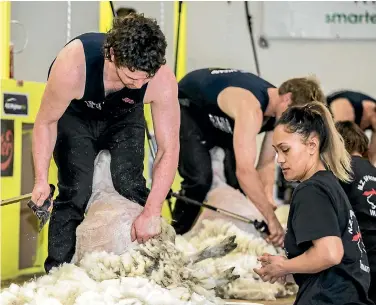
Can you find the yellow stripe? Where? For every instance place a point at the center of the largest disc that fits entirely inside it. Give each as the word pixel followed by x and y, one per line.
pixel 4 38
pixel 105 16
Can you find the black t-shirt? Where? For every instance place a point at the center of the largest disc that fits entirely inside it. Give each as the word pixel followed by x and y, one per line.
pixel 362 196
pixel 199 90
pixel 320 208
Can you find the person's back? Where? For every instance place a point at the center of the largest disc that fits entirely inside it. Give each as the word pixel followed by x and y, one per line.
pixel 357 101
pixel 211 100
pixel 362 196
pixel 361 191
pixel 202 86
pixel 199 91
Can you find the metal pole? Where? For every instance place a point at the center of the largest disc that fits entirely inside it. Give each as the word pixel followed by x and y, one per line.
pixel 249 21
pixel 15 199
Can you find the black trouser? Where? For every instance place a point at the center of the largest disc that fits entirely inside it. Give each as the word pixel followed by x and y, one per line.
pixel 78 142
pixel 195 168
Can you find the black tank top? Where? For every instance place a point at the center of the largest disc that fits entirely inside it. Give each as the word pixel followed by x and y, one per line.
pixel 355 98
pixel 199 90
pixel 94 104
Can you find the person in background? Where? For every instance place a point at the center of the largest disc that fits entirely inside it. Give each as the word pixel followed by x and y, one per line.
pixel 228 108
pixel 362 191
pixel 323 243
pixel 359 108
pixel 125 11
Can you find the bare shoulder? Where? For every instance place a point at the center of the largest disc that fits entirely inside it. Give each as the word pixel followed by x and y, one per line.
pixel 163 84
pixel 164 74
pixel 235 101
pixel 342 110
pixel 69 69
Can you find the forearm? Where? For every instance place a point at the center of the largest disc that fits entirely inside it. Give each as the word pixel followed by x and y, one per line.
pixel 43 143
pixel 164 170
pixel 252 186
pixel 311 261
pixel 267 176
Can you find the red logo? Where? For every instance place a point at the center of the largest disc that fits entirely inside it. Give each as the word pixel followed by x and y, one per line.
pixel 368 193
pixel 127 100
pixel 357 236
pixel 6 149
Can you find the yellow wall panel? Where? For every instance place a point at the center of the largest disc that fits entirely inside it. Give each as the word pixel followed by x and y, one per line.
pixel 11 186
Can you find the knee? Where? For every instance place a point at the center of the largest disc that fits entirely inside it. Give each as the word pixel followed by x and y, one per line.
pixel 204 180
pixel 75 196
pixel 124 188
pixel 131 188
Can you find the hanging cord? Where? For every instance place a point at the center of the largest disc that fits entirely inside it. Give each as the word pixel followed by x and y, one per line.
pixel 249 21
pixel 113 9
pixel 69 20
pixel 161 15
pixel 227 36
pixel 263 41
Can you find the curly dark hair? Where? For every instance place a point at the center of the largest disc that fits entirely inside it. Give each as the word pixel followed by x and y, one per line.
pixel 138 44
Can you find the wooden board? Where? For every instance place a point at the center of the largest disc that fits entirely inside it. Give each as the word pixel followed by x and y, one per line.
pixel 281 301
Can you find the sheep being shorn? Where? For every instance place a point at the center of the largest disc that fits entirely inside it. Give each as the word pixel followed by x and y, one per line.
pixel 108 268
pixel 152 273
pixel 212 227
pixel 248 286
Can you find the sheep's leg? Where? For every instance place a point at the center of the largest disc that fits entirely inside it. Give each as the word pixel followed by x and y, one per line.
pixel 224 247
pixel 218 280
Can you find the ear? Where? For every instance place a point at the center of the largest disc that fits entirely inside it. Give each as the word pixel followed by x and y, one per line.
pixel 286 98
pixel 112 54
pixel 313 144
pixel 373 121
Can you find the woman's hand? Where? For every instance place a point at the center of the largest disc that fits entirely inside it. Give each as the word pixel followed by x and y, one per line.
pixel 271 268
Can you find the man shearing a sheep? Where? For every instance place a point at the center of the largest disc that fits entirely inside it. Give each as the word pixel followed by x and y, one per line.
pixel 93 100
pixel 227 108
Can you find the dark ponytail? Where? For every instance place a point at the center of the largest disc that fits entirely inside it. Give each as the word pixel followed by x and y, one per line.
pixel 316 117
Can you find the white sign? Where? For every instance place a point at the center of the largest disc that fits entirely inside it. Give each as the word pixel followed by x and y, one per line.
pixel 320 20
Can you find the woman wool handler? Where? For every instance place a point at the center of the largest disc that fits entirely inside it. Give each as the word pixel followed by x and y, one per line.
pixel 323 243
